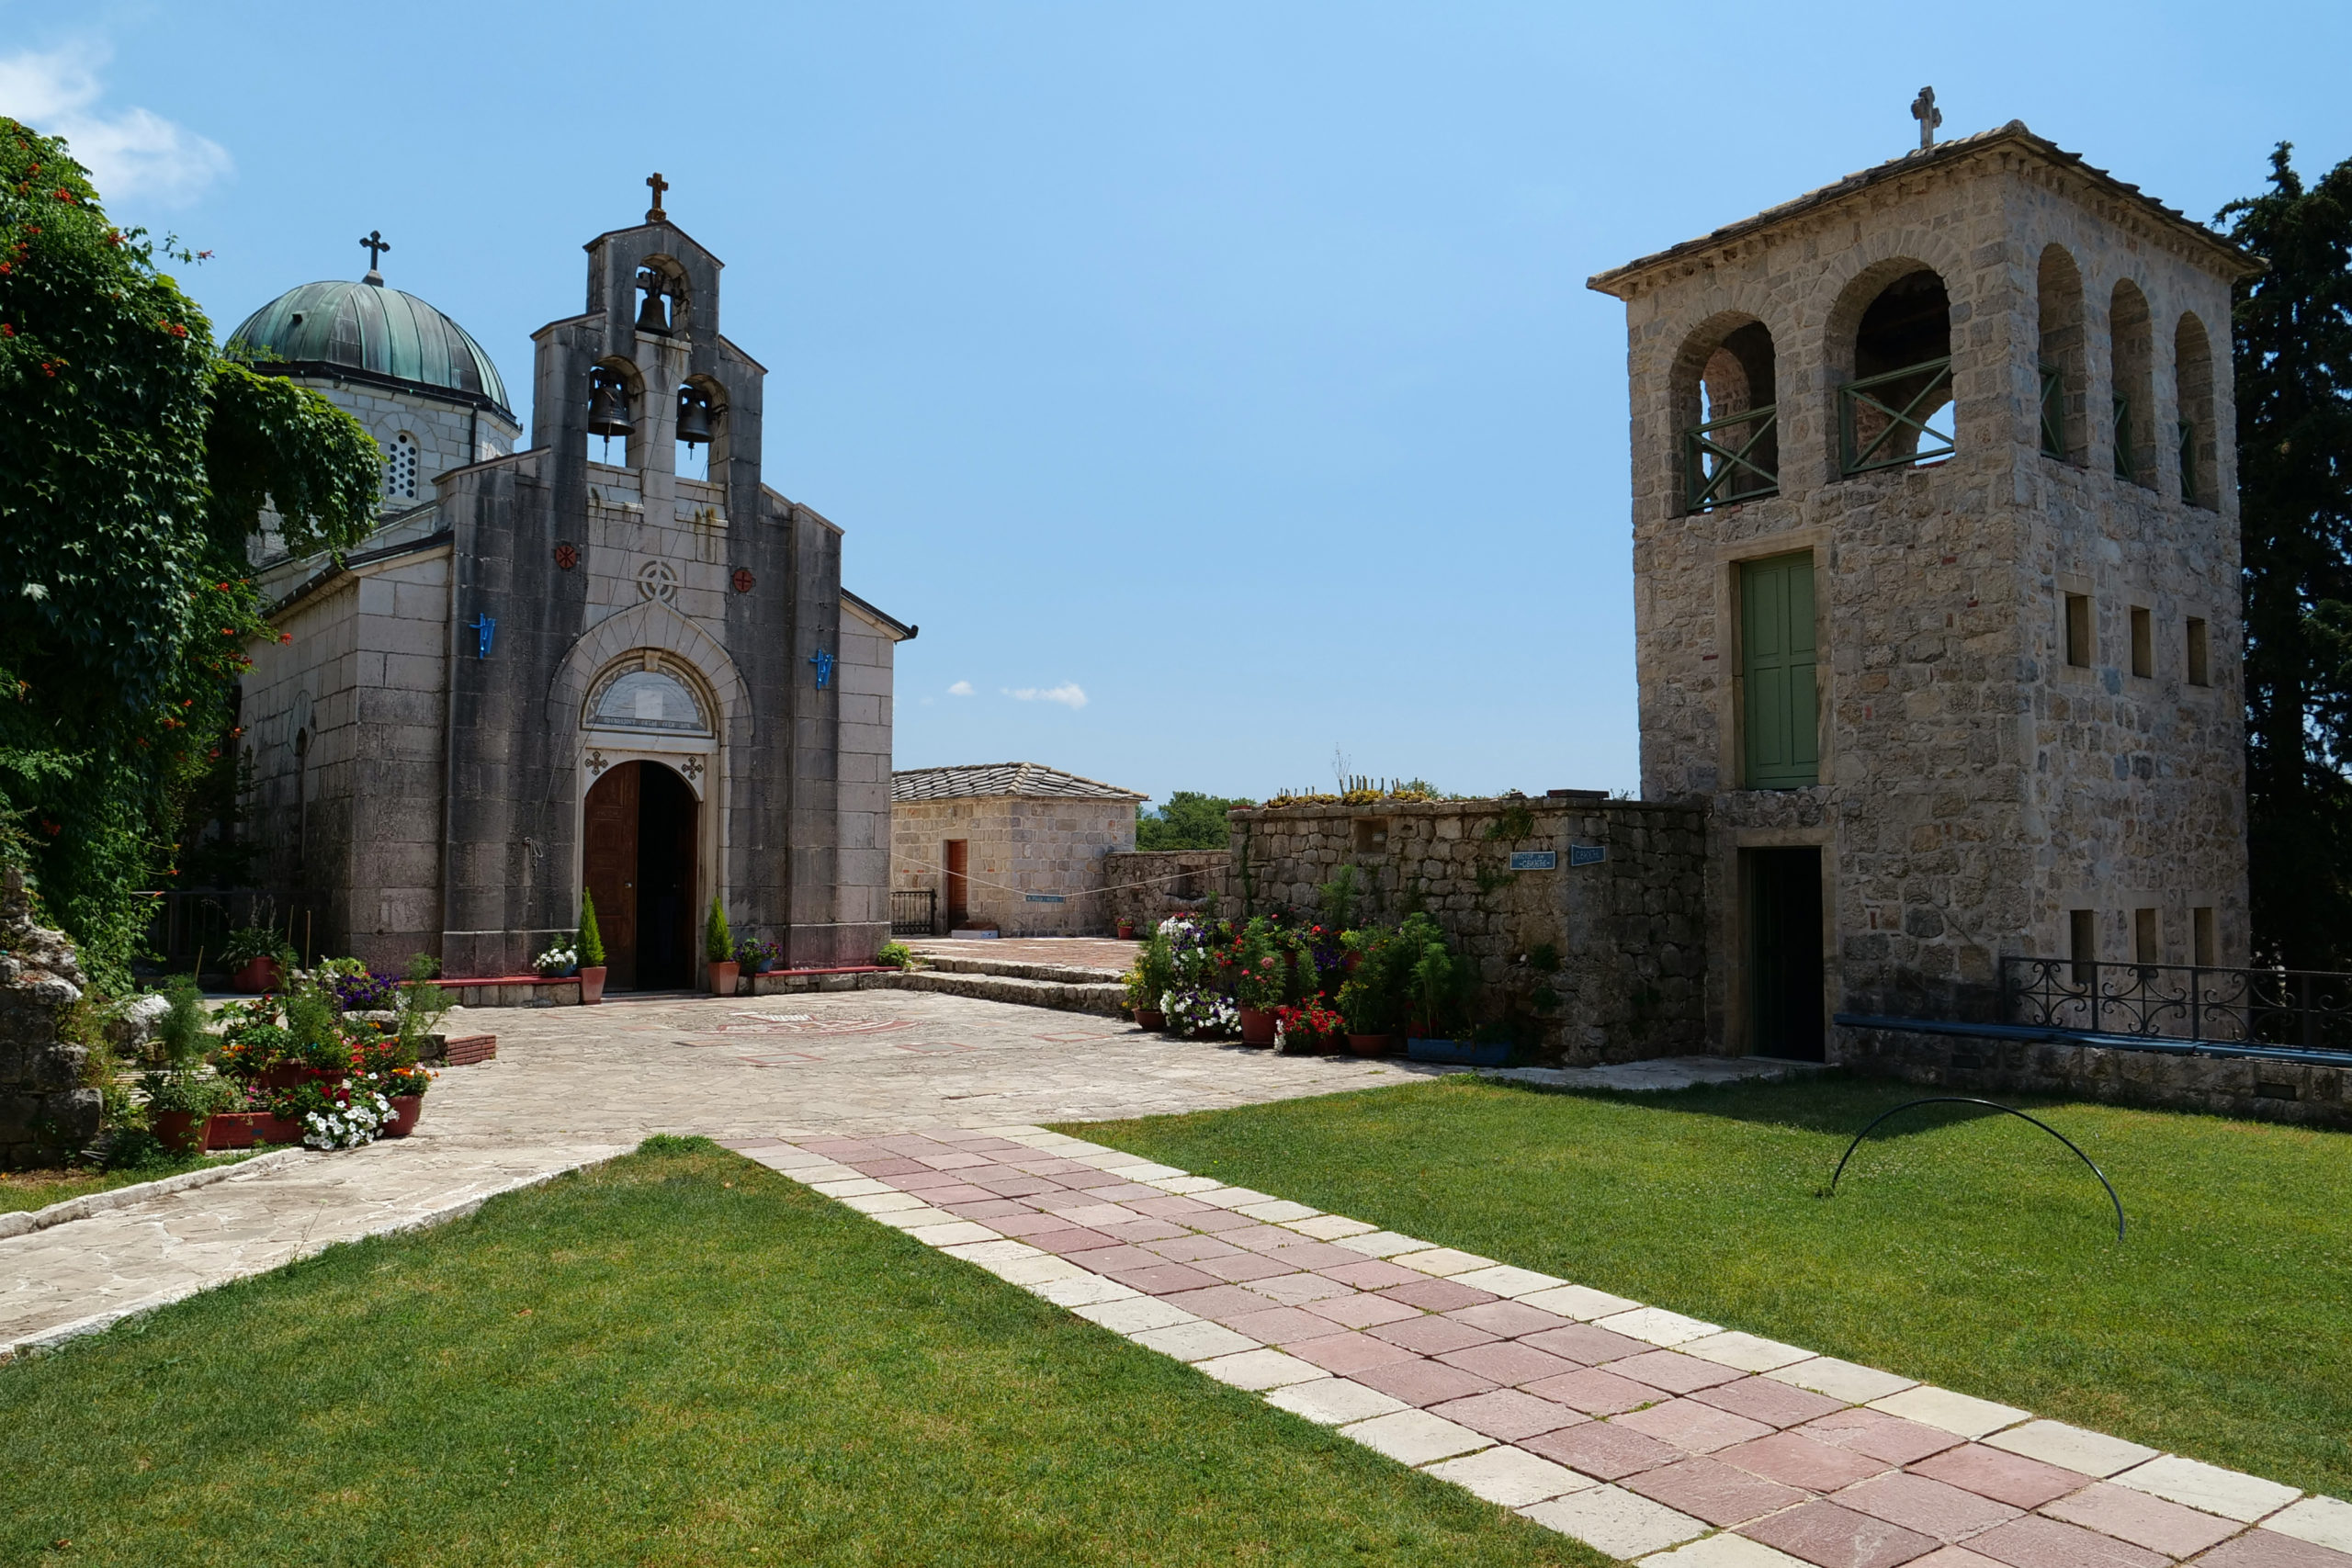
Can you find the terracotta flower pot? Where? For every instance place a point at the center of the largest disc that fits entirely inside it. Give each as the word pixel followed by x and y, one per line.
pixel 178 1131
pixel 259 975
pixel 406 1109
pixel 1126 931
pixel 1257 1026
pixel 1151 1019
pixel 592 984
pixel 269 1128
pixel 723 978
pixel 1372 1044
pixel 234 1130
pixel 287 1076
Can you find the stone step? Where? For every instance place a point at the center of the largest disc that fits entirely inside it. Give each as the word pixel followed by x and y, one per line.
pixel 1096 995
pixel 1068 974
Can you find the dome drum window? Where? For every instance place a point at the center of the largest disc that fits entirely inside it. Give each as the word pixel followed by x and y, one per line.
pixel 648 696
pixel 399 468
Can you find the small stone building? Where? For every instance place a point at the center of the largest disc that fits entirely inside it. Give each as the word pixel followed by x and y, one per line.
pixel 617 658
pixel 1016 847
pixel 1936 575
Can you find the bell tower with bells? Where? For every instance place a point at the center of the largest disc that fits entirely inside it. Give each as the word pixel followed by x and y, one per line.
pixel 686 636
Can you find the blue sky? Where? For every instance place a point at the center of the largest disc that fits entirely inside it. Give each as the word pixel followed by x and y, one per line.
pixel 1222 376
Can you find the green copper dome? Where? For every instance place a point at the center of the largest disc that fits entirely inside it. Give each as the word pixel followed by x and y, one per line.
pixel 376 333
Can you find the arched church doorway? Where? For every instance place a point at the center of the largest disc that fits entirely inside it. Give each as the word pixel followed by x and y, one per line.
pixel 639 836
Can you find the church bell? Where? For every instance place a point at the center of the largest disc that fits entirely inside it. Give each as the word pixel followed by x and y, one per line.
pixel 653 316
pixel 607 405
pixel 693 417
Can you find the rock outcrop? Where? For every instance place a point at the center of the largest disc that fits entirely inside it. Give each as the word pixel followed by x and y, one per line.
pixel 45 1112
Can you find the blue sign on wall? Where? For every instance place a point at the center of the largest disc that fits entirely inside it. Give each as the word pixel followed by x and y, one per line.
pixel 1535 859
pixel 1046 899
pixel 1587 854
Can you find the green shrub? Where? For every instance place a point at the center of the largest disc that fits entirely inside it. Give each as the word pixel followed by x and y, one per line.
pixel 717 942
pixel 896 955
pixel 591 940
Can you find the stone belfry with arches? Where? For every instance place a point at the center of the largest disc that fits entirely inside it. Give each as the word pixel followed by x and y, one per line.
pixel 1936 565
pixel 615 657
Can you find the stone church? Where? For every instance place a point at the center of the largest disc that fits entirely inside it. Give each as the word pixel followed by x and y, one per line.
pixel 616 657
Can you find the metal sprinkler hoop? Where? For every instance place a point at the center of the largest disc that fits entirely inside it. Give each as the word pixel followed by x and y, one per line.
pixel 1992 1105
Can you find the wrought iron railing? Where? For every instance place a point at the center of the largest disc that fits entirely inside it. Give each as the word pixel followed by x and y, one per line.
pixel 915 911
pixel 183 925
pixel 1721 473
pixel 1886 419
pixel 2124 467
pixel 2298 1009
pixel 2188 462
pixel 2053 411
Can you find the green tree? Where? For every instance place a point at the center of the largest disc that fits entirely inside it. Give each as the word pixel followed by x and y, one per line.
pixel 1187 821
pixel 135 459
pixel 2292 346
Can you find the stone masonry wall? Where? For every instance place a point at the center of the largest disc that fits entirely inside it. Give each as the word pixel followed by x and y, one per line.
pixel 44 1111
pixel 1148 885
pixel 1035 866
pixel 1630 928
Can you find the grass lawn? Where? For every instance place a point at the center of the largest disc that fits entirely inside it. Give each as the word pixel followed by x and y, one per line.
pixel 39 1189
pixel 679 1357
pixel 1968 1248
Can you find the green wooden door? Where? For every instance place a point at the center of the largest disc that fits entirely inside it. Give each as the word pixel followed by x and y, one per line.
pixel 1777 665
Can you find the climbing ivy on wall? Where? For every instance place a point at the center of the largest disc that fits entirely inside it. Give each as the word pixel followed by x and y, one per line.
pixel 135 459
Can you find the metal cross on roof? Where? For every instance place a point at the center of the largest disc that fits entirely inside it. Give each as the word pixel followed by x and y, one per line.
pixel 654 214
pixel 376 245
pixel 1924 110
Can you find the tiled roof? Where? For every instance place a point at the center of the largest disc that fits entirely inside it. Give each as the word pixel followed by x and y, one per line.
pixel 1618 277
pixel 1031 779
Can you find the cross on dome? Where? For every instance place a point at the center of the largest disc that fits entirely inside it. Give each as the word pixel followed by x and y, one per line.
pixel 376 245
pixel 1924 110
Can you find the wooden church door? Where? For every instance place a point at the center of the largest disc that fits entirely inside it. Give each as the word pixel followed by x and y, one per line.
pixel 609 844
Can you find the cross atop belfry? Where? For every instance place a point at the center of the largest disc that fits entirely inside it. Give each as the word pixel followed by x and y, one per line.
pixel 1924 110
pixel 376 245
pixel 654 214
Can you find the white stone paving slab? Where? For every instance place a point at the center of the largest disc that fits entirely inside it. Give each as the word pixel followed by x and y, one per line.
pixel 1616 1521
pixel 1199 1341
pixel 1327 1227
pixel 1502 1280
pixel 1132 1312
pixel 1259 1369
pixel 1380 1243
pixel 1042 1269
pixel 810 1175
pixel 1841 1380
pixel 1745 1351
pixel 1185 1185
pixel 1728 1550
pixel 1281 1208
pixel 1416 1437
pixel 1229 1197
pixel 2072 1448
pixel 948 1235
pixel 1082 1290
pixel 915 1219
pixel 2191 1484
pixel 1442 1261
pixel 885 1203
pixel 1658 1325
pixel 1333 1401
pixel 1002 1250
pixel 1145 1172
pixel 2323 1521
pixel 856 1187
pixel 1512 1477
pixel 1578 1302
pixel 1949 1411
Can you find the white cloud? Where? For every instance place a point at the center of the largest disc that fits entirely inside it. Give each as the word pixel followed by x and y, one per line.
pixel 960 688
pixel 1069 694
pixel 129 152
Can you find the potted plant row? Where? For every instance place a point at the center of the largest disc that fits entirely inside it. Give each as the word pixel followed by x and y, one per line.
pixel 257 958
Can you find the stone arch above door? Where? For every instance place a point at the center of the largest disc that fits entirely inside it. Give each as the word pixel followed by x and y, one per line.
pixel 650 625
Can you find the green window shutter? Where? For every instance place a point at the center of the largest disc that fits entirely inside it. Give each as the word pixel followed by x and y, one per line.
pixel 1777 664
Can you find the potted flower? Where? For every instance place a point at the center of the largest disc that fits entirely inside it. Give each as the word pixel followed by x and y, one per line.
pixel 1152 979
pixel 757 957
pixel 557 963
pixel 256 958
pixel 1307 1027
pixel 1126 929
pixel 1259 975
pixel 404 1089
pixel 592 951
pixel 718 951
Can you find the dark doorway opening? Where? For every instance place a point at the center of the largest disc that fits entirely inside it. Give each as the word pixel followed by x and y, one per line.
pixel 638 837
pixel 1784 957
pixel 959 885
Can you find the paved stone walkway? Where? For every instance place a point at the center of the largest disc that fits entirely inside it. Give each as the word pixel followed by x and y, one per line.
pixel 574 1085
pixel 1649 1435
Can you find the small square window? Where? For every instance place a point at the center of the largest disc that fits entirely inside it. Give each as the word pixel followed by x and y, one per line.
pixel 2198 674
pixel 2078 630
pixel 2200 930
pixel 1372 836
pixel 2144 646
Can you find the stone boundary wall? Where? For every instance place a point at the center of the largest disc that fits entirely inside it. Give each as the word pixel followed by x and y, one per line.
pixel 1630 927
pixel 45 1111
pixel 2249 1088
pixel 1148 885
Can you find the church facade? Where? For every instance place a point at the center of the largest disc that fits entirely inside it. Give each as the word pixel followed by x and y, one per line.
pixel 576 663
